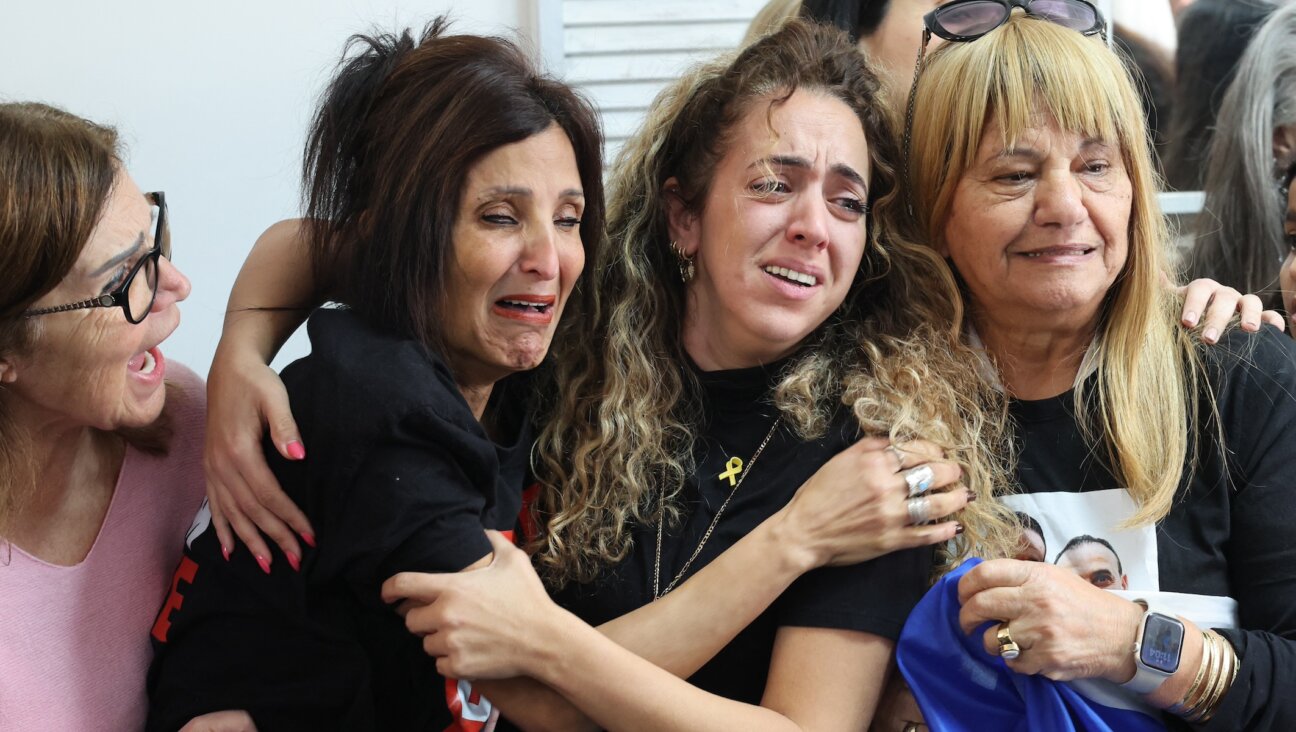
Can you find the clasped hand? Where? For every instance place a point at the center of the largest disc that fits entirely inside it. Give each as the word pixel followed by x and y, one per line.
pixel 479 624
pixel 855 507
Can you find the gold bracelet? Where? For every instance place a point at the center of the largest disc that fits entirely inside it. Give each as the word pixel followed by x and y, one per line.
pixel 1194 695
pixel 1192 698
pixel 1216 680
pixel 1227 676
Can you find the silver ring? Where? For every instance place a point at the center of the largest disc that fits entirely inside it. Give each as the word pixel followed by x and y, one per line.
pixel 919 479
pixel 919 509
pixel 899 457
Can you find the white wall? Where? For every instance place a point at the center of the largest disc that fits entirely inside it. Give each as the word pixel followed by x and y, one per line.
pixel 213 102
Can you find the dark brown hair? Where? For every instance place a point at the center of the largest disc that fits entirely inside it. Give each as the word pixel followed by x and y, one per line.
pixel 859 18
pixel 56 172
pixel 389 152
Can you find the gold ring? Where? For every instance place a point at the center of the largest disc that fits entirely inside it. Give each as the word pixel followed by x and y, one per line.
pixel 1008 648
pixel 911 726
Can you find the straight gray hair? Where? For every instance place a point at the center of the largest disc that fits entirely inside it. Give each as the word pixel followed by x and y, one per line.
pixel 1239 234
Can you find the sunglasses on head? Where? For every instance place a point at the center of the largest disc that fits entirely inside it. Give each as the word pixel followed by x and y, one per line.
pixel 968 20
pixel 962 21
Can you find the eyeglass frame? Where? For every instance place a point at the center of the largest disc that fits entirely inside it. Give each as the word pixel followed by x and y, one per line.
pixel 120 297
pixel 929 25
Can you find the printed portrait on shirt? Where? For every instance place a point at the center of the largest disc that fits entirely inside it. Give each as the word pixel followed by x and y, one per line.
pixel 1081 532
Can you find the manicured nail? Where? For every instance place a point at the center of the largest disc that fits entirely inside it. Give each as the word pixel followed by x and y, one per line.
pixel 970 495
pixel 225 552
pixel 958 529
pixel 263 563
pixel 295 450
pixel 309 538
pixel 1190 318
pixel 293 561
pixel 1210 335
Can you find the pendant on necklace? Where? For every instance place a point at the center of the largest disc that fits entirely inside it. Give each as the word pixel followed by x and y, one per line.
pixel 733 469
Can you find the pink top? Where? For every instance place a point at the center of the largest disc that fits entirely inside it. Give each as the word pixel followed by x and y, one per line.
pixel 74 641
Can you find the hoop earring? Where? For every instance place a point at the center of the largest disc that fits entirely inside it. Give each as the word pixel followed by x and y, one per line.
pixel 684 262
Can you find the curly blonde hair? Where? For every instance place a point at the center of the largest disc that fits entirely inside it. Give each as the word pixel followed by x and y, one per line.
pixel 622 433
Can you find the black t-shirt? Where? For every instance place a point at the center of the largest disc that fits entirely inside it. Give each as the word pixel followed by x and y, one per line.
pixel 400 476
pixel 1229 533
pixel 872 597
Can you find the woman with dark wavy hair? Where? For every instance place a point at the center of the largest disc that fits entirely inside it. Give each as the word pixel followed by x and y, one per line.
pixel 453 195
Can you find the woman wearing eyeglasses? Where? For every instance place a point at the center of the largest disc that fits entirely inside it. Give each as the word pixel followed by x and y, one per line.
pixel 1030 174
pixel 100 437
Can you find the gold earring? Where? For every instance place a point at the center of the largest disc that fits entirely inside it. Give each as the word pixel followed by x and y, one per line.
pixel 685 262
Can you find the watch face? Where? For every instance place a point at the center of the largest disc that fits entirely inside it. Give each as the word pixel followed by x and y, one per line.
pixel 1162 643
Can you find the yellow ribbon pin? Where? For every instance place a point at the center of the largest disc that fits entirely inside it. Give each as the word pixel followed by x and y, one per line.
pixel 733 470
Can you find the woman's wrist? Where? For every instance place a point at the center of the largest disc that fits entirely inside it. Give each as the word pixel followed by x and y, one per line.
pixel 792 548
pixel 1215 675
pixel 1126 629
pixel 552 639
pixel 249 337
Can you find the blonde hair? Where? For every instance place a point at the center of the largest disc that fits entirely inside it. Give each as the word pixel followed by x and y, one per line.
pixel 1148 366
pixel 770 18
pixel 621 437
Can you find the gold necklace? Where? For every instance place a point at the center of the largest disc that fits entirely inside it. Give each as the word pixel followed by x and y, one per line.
pixel 730 469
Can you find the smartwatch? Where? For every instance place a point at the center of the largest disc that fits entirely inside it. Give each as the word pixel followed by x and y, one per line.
pixel 1158 646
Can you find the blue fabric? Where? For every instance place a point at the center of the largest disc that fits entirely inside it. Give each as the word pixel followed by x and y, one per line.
pixel 961 688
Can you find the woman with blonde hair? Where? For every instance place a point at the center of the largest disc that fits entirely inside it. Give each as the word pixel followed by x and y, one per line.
pixel 1031 175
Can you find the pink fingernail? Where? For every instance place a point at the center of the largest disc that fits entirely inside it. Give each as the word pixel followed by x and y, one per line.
pixel 295 450
pixel 225 552
pixel 293 561
pixel 1190 318
pixel 309 538
pixel 1210 335
pixel 263 563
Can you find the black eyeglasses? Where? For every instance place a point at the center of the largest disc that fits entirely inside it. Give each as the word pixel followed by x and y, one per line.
pixel 962 21
pixel 136 294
